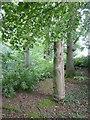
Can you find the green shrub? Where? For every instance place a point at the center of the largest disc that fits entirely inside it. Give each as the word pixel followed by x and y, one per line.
pixel 81 62
pixel 8 90
pixel 43 69
pixel 80 78
pixel 20 78
pixel 16 76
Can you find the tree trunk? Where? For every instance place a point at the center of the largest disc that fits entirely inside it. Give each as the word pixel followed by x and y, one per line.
pixel 69 62
pixel 27 57
pixel 1 76
pixel 58 81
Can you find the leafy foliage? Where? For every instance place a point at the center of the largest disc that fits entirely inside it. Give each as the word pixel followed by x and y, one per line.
pixel 80 78
pixel 17 77
pixel 81 62
pixel 48 20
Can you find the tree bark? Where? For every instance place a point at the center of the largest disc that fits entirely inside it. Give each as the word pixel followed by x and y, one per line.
pixel 58 81
pixel 27 57
pixel 69 60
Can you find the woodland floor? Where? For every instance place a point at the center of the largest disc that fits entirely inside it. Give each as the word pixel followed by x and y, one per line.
pixel 39 104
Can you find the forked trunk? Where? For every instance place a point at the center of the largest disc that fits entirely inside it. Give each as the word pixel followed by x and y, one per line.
pixel 58 81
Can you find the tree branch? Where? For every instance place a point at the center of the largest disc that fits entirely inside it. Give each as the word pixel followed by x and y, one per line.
pixel 76 40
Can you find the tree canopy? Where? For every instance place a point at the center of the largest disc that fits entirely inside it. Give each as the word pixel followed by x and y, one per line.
pixel 24 23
